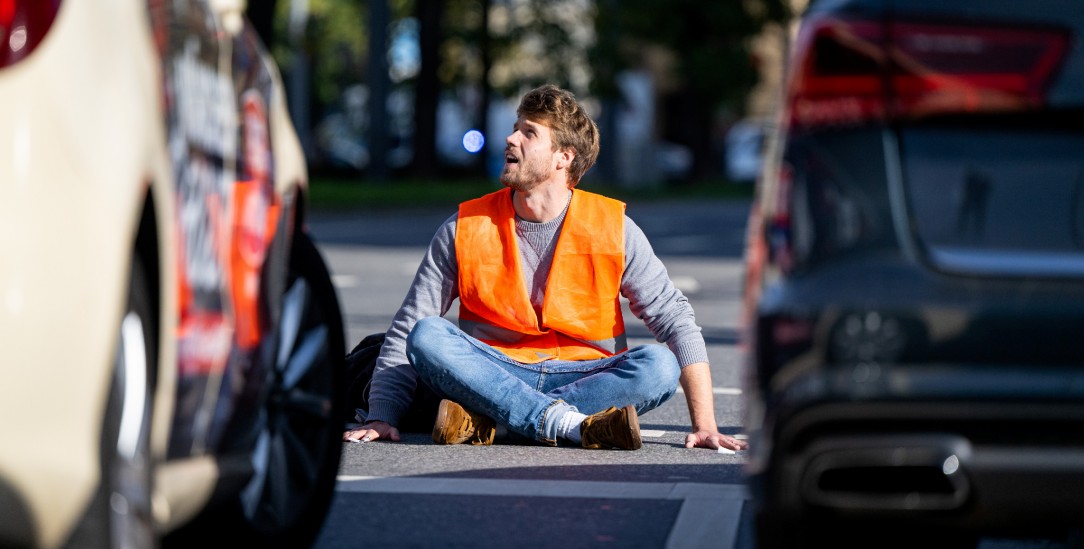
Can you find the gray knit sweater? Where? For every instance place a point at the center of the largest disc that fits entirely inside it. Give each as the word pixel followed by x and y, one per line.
pixel 645 283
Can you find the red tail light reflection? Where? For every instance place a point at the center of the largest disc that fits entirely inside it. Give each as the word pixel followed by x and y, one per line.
pixel 851 71
pixel 23 25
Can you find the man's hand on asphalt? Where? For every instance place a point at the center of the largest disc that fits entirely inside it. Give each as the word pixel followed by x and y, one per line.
pixel 714 440
pixel 373 430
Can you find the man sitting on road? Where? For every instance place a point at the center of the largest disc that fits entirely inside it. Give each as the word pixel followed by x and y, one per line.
pixel 538 268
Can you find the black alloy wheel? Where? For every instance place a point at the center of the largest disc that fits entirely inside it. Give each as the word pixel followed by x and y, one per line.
pixel 296 456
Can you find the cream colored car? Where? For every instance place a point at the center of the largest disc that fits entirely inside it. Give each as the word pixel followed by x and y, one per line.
pixel 170 342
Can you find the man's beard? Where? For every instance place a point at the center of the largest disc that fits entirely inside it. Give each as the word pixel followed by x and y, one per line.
pixel 531 174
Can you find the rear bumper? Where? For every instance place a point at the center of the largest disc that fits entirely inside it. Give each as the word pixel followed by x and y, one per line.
pixel 983 448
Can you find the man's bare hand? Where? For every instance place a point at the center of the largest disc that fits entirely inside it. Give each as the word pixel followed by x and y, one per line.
pixel 713 440
pixel 373 430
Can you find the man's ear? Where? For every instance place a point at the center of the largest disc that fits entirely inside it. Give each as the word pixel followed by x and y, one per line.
pixel 564 158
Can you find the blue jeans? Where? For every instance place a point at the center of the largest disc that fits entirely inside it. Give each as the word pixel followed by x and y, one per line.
pixel 528 398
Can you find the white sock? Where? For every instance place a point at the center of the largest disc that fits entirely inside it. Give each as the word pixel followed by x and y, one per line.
pixel 568 425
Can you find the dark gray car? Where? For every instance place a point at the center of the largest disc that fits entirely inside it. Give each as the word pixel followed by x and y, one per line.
pixel 914 295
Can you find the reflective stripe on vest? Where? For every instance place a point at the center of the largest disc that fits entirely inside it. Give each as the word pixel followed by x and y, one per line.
pixel 581 312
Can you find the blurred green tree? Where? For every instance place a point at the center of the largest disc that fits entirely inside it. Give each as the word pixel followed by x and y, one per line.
pixel 497 47
pixel 504 47
pixel 334 41
pixel 708 45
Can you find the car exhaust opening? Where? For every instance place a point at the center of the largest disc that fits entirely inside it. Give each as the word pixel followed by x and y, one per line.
pixel 886 480
pixel 900 477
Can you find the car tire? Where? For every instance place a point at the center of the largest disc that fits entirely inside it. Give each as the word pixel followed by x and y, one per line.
pixel 120 514
pixel 297 450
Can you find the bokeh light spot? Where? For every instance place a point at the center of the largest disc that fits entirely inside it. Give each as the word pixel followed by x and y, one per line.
pixel 473 141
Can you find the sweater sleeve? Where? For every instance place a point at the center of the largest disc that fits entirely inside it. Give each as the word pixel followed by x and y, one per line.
pixel 434 289
pixel 654 299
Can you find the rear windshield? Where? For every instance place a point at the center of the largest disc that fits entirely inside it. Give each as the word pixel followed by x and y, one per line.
pixel 997 201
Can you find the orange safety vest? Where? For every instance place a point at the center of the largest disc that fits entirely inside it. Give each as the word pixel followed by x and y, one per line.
pixel 581 313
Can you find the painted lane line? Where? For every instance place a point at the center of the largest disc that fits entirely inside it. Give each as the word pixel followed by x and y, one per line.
pixel 704 522
pixel 345 281
pixel 729 391
pixel 539 488
pixel 687 284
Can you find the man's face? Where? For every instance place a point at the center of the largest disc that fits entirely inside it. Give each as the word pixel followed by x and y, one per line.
pixel 529 158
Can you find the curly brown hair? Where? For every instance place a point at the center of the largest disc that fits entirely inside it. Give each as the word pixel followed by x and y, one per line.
pixel 572 128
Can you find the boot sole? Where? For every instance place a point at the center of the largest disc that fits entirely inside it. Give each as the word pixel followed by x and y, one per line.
pixel 443 420
pixel 443 411
pixel 634 423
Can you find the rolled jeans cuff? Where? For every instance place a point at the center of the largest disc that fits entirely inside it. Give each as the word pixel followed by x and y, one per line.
pixel 547 431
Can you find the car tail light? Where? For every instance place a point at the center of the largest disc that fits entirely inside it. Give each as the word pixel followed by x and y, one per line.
pixel 23 25
pixel 852 71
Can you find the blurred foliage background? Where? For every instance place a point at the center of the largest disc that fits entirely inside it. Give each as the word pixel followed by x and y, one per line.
pixel 385 90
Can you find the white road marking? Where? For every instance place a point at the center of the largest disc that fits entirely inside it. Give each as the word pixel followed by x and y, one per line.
pixel 651 433
pixel 539 488
pixel 345 281
pixel 729 391
pixel 705 522
pixel 710 514
pixel 687 284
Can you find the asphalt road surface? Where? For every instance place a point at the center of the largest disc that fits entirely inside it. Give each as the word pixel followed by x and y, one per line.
pixel 417 494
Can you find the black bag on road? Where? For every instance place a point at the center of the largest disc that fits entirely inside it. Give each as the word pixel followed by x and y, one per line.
pixel 360 363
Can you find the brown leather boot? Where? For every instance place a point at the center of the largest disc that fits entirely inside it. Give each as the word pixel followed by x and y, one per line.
pixel 456 425
pixel 612 428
